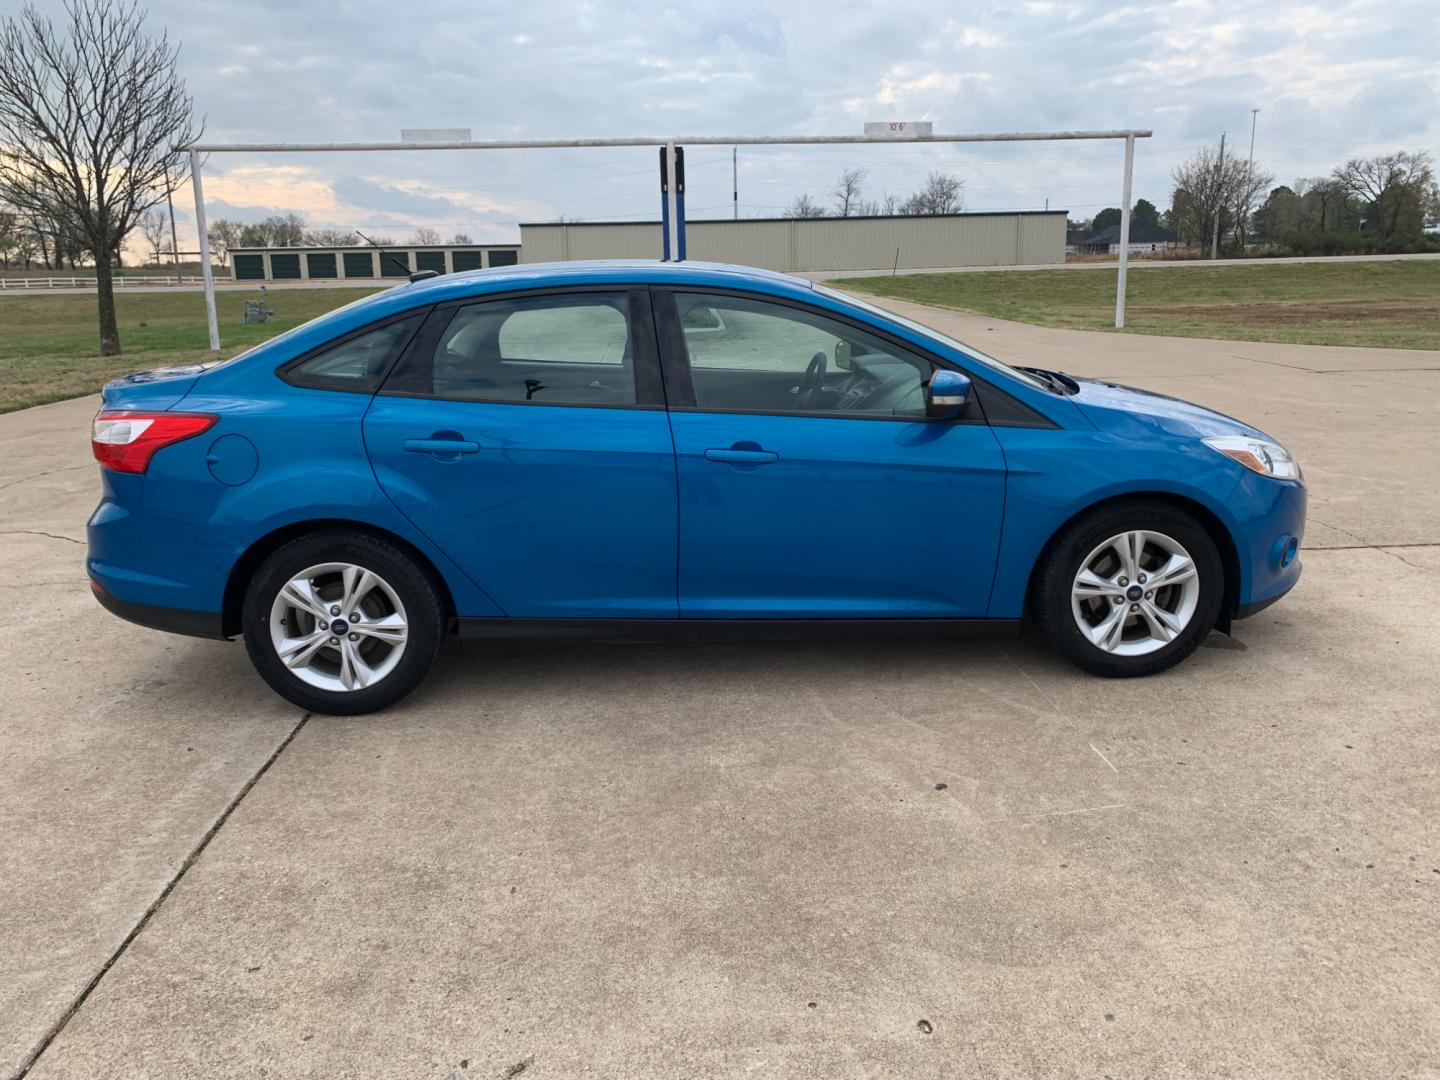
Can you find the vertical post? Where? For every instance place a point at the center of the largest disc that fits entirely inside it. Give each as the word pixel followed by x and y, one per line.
pixel 1124 232
pixel 680 203
pixel 204 235
pixel 174 243
pixel 1219 198
pixel 672 173
pixel 735 181
pixel 664 204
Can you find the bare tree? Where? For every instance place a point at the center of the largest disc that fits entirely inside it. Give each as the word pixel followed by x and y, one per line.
pixel 224 235
pixel 326 237
pixel 804 207
pixel 155 229
pixel 90 118
pixel 426 237
pixel 461 238
pixel 1399 187
pixel 942 193
pixel 1211 190
pixel 846 191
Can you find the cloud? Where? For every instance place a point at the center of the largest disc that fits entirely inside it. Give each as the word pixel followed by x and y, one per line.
pixel 1331 81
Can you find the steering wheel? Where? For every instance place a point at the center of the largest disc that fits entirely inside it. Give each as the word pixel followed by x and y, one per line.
pixel 814 375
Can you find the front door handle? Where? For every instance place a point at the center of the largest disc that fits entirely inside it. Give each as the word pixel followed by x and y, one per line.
pixel 742 457
pixel 449 447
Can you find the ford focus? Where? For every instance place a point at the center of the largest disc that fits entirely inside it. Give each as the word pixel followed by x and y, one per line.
pixel 646 451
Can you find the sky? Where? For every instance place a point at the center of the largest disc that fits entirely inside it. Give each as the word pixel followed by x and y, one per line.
pixel 1331 79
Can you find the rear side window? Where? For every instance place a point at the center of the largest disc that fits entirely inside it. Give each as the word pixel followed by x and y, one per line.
pixel 357 363
pixel 547 350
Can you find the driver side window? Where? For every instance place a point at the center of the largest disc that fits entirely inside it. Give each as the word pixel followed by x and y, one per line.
pixel 756 356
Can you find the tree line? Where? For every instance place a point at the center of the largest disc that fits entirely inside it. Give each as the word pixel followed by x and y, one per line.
pixel 941 193
pixel 1380 203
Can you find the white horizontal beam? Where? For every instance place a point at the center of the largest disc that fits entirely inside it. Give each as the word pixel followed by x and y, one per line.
pixel 695 140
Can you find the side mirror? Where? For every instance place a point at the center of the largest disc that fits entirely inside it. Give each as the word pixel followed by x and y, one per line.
pixel 946 395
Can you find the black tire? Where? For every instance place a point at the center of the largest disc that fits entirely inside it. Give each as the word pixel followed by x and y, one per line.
pixel 424 617
pixel 1051 599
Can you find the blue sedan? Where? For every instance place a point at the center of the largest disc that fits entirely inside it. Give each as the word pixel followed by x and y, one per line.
pixel 641 450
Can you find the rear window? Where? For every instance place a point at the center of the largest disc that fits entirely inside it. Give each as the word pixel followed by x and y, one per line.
pixel 357 363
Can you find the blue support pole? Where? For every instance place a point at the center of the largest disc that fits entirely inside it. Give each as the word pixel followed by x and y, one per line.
pixel 664 205
pixel 680 202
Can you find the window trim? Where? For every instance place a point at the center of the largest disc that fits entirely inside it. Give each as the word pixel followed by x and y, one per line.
pixel 417 367
pixel 998 408
pixel 284 371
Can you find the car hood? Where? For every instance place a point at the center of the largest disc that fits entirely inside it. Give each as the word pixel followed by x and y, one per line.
pixel 157 388
pixel 1127 410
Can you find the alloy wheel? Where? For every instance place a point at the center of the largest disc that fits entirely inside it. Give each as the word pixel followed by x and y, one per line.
pixel 1135 593
pixel 338 626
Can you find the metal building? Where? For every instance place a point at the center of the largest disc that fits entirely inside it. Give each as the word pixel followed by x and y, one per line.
pixel 803 244
pixel 343 263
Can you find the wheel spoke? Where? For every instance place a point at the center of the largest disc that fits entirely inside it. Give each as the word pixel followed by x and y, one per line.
pixel 357 584
pixel 1088 584
pixel 1179 568
pixel 355 673
pixel 390 629
pixel 298 652
pixel 1131 546
pixel 1163 625
pixel 1106 633
pixel 301 594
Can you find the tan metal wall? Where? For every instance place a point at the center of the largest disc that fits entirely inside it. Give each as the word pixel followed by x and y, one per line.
pixel 818 244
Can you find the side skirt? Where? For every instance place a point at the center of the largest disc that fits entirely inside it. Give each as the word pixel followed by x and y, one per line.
pixel 647 630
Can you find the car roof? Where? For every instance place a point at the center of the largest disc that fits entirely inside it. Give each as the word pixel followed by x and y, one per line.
pixel 502 279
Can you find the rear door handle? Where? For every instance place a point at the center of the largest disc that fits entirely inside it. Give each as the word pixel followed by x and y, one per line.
pixel 743 457
pixel 441 446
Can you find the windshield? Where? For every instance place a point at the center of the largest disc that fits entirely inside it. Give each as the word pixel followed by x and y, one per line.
pixel 933 334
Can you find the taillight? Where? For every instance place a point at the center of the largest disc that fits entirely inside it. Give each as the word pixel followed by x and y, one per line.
pixel 126 441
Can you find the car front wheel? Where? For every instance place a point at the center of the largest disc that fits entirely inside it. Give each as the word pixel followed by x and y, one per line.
pixel 342 623
pixel 1130 589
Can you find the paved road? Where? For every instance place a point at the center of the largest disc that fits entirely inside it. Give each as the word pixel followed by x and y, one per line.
pixel 813 275
pixel 790 860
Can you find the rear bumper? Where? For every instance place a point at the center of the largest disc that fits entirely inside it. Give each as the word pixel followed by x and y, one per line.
pixel 205 624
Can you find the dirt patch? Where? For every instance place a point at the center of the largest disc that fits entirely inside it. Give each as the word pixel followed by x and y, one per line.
pixel 1399 312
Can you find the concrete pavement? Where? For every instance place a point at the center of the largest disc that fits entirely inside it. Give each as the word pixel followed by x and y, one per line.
pixel 916 860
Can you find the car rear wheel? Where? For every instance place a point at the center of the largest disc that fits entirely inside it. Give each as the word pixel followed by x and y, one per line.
pixel 1130 589
pixel 342 623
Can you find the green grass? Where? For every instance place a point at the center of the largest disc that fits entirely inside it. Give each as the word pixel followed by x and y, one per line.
pixel 1394 305
pixel 48 344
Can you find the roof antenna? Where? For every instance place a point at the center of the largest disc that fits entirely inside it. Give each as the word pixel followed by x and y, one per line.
pixel 418 275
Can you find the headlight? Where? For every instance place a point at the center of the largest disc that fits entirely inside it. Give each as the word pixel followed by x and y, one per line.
pixel 1258 455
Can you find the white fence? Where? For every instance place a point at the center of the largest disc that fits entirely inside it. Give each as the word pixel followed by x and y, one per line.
pixel 89 282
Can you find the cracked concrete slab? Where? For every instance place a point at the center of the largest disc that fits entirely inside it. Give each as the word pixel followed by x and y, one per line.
pixel 900 859
pixel 120 746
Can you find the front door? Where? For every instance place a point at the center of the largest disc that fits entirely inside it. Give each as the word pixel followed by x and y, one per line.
pixel 526 437
pixel 811 483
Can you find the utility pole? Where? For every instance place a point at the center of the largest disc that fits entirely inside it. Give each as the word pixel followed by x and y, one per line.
pixel 174 243
pixel 735 181
pixel 1219 198
pixel 1249 172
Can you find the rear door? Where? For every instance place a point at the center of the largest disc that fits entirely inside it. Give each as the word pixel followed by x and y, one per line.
pixel 811 483
pixel 526 437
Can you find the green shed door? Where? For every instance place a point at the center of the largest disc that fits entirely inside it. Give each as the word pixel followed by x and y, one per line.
pixel 504 258
pixel 284 267
pixel 394 264
pixel 430 260
pixel 359 264
pixel 321 264
pixel 467 260
pixel 250 267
